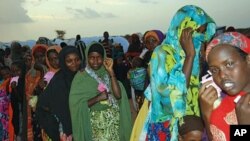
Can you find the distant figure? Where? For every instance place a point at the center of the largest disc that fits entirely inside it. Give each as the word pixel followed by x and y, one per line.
pixel 44 41
pixel 7 57
pixel 230 29
pixel 63 44
pixel 16 51
pixel 107 44
pixel 135 48
pixel 81 47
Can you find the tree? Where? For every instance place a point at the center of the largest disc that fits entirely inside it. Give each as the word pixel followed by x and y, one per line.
pixel 60 34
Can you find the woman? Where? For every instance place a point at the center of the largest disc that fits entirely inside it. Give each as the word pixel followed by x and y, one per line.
pixel 38 67
pixel 98 103
pixel 229 62
pixel 5 104
pixel 53 106
pixel 174 73
pixel 52 61
pixel 151 39
pixel 135 48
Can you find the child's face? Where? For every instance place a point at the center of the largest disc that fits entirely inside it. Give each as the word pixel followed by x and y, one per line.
pixel 229 69
pixel 191 136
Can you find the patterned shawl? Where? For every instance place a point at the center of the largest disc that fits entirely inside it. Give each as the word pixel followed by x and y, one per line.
pixel 170 97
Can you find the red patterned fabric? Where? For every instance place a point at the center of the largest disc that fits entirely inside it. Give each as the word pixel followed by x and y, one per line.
pixel 222 117
pixel 232 38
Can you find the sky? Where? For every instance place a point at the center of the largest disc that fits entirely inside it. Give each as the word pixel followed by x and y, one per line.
pixel 30 19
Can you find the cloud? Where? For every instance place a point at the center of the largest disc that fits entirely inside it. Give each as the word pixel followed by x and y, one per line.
pixel 109 15
pixel 149 1
pixel 89 13
pixel 11 11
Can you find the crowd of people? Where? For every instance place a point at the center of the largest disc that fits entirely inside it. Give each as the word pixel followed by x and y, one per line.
pixel 152 92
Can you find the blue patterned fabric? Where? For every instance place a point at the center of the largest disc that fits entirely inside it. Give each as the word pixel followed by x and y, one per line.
pixel 170 98
pixel 137 78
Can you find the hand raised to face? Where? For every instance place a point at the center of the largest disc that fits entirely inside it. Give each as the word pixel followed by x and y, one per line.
pixel 186 41
pixel 108 64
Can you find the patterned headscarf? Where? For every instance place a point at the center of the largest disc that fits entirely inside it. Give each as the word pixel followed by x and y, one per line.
pixel 157 34
pixel 170 97
pixel 232 38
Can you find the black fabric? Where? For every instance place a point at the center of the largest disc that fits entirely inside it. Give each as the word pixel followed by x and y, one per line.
pixel 81 47
pixel 96 47
pixel 54 102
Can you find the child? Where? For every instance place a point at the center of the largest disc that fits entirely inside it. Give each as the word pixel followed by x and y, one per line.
pixel 229 62
pixel 192 128
pixel 137 76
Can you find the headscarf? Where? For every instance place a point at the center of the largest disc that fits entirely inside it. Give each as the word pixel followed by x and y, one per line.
pixel 62 55
pixel 55 98
pixel 81 92
pixel 38 48
pixel 191 123
pixel 58 49
pixel 96 47
pixel 234 39
pixel 170 97
pixel 157 34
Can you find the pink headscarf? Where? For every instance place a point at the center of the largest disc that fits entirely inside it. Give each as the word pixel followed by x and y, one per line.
pixel 232 38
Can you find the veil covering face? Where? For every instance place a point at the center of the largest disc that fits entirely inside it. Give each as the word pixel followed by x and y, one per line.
pixel 169 96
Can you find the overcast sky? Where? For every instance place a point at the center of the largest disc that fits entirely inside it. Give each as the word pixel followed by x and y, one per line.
pixel 29 19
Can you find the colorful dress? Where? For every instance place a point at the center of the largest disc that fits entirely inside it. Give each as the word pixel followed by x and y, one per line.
pixel 4 109
pixel 169 96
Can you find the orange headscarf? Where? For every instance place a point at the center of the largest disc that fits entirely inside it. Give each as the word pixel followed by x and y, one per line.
pixel 58 49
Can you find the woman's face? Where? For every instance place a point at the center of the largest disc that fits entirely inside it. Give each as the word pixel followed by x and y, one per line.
pixel 229 69
pixel 15 70
pixel 39 57
pixel 95 60
pixel 151 42
pixel 53 60
pixel 73 62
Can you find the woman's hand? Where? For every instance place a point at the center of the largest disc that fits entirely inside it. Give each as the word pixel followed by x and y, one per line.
pixel 186 41
pixel 42 84
pixel 13 85
pixel 108 64
pixel 103 96
pixel 243 110
pixel 207 97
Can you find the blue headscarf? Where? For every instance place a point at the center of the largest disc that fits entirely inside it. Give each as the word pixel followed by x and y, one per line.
pixel 170 97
